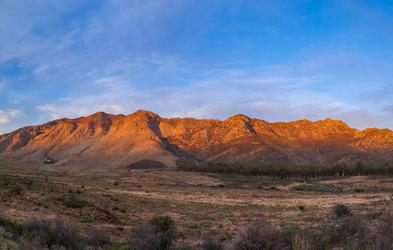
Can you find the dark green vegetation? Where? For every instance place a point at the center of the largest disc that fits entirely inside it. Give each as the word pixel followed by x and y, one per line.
pixel 329 188
pixel 46 234
pixel 147 164
pixel 371 232
pixel 341 210
pixel 158 233
pixel 300 172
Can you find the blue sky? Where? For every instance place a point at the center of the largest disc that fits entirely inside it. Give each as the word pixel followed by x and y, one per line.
pixel 274 60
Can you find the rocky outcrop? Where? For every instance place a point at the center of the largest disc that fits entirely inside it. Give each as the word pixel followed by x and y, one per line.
pixel 118 140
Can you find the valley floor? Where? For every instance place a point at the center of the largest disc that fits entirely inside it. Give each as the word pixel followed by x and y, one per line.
pixel 200 203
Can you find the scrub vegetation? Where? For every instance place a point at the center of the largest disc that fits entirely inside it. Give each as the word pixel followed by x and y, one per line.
pixel 55 208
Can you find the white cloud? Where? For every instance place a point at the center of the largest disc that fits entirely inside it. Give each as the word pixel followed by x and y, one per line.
pixel 40 69
pixel 8 117
pixel 74 109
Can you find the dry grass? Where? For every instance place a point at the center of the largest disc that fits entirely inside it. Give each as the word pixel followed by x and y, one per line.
pixel 199 203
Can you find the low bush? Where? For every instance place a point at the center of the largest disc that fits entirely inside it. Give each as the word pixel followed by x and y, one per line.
pixel 158 233
pixel 99 238
pixel 341 210
pixel 301 240
pixel 385 228
pixel 15 190
pixel 144 237
pixel 31 244
pixel 57 233
pixel 15 229
pixel 73 201
pixel 323 188
pixel 38 234
pixel 211 243
pixel 165 226
pixel 354 232
pixel 260 235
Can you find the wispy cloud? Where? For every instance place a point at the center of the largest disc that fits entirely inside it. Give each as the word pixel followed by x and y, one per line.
pixel 192 58
pixel 7 117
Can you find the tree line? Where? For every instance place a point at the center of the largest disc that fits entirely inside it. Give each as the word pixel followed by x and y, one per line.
pixel 283 171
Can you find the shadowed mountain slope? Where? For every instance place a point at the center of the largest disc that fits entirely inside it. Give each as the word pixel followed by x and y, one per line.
pixel 117 140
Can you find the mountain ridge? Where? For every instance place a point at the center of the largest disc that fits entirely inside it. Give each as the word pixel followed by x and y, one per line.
pixel 119 140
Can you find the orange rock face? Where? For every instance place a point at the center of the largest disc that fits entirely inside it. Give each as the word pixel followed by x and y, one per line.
pixel 118 140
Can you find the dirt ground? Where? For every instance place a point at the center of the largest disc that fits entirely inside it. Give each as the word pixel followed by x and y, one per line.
pixel 117 200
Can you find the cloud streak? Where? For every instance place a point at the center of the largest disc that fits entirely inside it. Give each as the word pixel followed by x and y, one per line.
pixel 191 58
pixel 7 117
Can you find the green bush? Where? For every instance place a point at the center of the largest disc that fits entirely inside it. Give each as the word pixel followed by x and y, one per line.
pixel 341 210
pixel 165 226
pixel 15 229
pixel 73 201
pixel 15 190
pixel 323 188
pixel 159 233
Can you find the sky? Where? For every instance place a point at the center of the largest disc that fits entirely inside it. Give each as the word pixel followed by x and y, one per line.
pixel 276 60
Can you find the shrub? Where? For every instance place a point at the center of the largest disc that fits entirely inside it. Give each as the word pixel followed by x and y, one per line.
pixel 341 210
pixel 301 240
pixel 15 190
pixel 73 201
pixel 165 226
pixel 211 243
pixel 57 233
pixel 144 237
pixel 159 233
pixel 323 188
pixel 15 229
pixel 99 238
pixel 385 239
pixel 34 244
pixel 354 232
pixel 260 235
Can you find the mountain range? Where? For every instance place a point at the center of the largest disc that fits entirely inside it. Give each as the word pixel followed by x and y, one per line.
pixel 103 139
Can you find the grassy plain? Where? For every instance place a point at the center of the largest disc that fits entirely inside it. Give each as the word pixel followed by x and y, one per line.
pixel 116 201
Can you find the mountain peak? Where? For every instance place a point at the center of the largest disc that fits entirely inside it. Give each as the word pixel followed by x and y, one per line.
pixel 239 117
pixel 331 122
pixel 99 115
pixel 145 113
